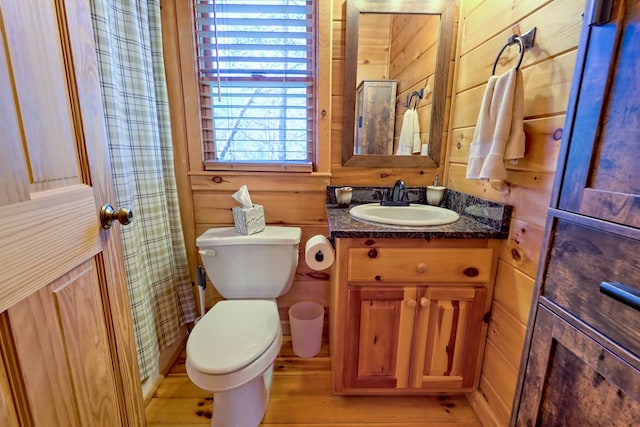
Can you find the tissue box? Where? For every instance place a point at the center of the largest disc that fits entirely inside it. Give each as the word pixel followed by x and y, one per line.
pixel 248 220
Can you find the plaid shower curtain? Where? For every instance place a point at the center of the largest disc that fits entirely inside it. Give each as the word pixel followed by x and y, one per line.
pixel 132 77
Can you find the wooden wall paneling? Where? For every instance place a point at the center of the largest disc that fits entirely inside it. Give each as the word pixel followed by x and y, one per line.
pixel 179 127
pixel 514 290
pixel 502 376
pixel 256 182
pixel 522 249
pixel 184 67
pixel 374 35
pixel 488 405
pixel 546 91
pixel 528 192
pixel 324 86
pixel 279 208
pixel 499 13
pixel 337 42
pixel 14 178
pixel 543 138
pixel 506 333
pixel 558 30
pixel 382 176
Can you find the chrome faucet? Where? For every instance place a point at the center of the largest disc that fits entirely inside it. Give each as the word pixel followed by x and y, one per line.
pixel 397 196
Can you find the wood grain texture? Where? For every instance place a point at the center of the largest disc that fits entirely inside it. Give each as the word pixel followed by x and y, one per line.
pixel 39 345
pixel 179 130
pixel 301 395
pixel 445 314
pixel 42 91
pixel 78 302
pixel 399 264
pixel 514 290
pixel 580 259
pixel 571 377
pixel 14 177
pixel 558 29
pixel 507 334
pixel 8 413
pixel 31 262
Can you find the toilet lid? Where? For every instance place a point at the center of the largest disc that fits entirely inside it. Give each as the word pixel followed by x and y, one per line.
pixel 232 334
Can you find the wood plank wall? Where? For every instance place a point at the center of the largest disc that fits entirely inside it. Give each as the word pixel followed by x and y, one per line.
pixel 547 71
pixel 298 199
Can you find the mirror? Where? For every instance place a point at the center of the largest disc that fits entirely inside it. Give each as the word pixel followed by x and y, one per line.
pixel 381 37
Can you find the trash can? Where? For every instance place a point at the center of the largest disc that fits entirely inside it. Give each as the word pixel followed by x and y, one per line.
pixel 305 320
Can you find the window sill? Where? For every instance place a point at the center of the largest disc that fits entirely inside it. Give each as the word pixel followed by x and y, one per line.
pixel 210 165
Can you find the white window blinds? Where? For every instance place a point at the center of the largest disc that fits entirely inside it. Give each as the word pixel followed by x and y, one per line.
pixel 256 75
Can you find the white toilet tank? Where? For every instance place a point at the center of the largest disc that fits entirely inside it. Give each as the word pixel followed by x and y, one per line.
pixel 260 265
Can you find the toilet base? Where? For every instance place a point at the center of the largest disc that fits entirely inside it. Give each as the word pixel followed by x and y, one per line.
pixel 244 406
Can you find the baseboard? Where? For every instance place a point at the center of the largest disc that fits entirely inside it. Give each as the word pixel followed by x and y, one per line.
pixel 167 358
pixel 482 410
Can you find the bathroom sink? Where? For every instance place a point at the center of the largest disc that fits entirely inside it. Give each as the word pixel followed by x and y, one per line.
pixel 414 214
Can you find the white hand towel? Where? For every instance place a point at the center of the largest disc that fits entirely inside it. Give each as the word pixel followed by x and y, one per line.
pixel 499 133
pixel 409 141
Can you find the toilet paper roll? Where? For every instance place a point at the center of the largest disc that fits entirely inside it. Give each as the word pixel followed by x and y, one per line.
pixel 318 253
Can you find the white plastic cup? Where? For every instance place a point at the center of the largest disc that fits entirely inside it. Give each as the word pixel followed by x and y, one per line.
pixel 305 320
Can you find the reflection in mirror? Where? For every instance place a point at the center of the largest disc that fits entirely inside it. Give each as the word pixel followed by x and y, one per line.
pixel 393 51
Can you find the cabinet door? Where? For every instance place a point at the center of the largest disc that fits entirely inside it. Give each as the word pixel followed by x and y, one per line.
pixel 572 380
pixel 379 330
pixel 448 330
pixel 602 178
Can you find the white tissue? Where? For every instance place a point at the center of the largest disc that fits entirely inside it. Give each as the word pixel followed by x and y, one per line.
pixel 318 253
pixel 242 197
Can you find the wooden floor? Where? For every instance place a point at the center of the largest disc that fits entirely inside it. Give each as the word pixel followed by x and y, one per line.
pixel 301 396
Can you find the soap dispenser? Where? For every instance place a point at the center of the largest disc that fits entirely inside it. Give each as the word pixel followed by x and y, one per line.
pixel 435 192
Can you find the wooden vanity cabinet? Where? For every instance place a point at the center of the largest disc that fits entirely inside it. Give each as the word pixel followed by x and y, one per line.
pixel 410 316
pixel 581 364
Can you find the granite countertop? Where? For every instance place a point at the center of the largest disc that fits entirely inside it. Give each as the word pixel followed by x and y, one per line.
pixel 479 218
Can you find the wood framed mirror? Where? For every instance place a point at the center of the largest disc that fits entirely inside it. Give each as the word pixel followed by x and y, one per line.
pixel 366 21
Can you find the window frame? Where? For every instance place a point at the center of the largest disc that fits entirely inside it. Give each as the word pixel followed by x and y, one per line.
pixel 313 149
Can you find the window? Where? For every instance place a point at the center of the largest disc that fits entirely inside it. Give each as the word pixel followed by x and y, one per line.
pixel 256 70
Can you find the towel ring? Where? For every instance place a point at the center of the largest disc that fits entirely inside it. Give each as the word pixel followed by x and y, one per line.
pixel 513 39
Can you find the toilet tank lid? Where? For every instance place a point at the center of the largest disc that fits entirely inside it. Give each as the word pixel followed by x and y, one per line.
pixel 271 235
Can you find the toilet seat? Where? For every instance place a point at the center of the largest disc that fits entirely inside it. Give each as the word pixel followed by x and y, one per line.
pixel 235 359
pixel 232 334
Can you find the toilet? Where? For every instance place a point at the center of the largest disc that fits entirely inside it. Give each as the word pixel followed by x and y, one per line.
pixel 231 350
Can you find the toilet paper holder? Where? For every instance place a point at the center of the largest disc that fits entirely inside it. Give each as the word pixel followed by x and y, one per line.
pixel 319 256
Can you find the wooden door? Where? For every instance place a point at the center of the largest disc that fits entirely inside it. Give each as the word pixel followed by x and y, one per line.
pixel 66 341
pixel 572 379
pixel 378 341
pixel 602 177
pixel 447 337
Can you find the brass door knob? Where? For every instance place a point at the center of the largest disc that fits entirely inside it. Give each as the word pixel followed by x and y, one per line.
pixel 108 215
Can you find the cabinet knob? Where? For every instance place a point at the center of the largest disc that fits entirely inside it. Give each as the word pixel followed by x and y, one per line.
pixel 471 272
pixel 373 253
pixel 424 302
pixel 422 268
pixel 411 303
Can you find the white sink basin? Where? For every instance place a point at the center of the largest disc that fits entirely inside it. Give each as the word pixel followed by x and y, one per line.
pixel 414 214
